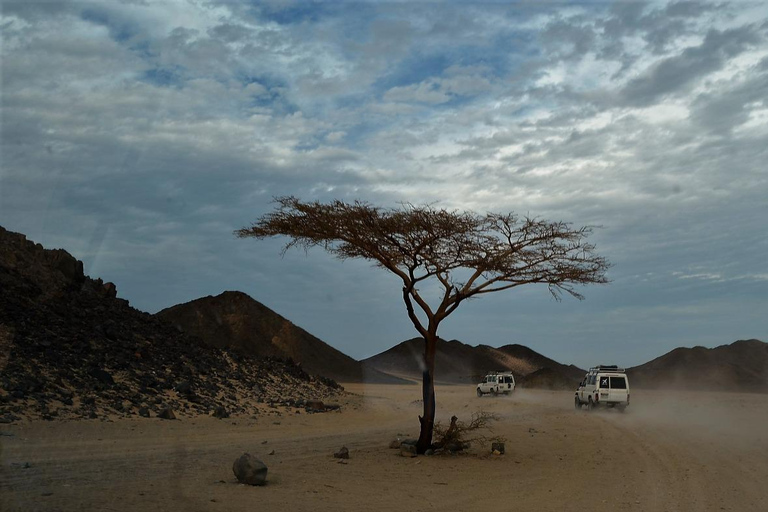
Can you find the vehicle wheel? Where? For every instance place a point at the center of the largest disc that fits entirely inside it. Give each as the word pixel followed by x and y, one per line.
pixel 479 393
pixel 493 392
pixel 590 405
pixel 577 403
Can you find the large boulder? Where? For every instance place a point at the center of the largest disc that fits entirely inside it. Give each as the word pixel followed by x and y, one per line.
pixel 250 470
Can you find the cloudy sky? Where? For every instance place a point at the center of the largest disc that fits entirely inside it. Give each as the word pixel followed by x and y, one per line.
pixel 139 134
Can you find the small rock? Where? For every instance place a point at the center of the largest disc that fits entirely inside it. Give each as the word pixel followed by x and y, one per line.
pixel 102 376
pixel 498 447
pixel 496 452
pixel 220 412
pixel 454 447
pixel 250 470
pixel 315 406
pixel 144 412
pixel 166 413
pixel 272 452
pixel 343 453
pixel 395 444
pixel 408 450
pixel 429 452
pixel 185 387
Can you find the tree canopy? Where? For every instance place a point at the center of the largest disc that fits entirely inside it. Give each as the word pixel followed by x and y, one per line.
pixel 416 243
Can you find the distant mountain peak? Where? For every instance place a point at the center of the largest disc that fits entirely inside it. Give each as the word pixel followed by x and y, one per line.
pixel 234 320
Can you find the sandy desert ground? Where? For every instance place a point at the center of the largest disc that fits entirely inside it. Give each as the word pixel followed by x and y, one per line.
pixel 669 452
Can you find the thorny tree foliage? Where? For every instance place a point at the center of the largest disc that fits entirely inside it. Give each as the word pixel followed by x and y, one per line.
pixel 459 433
pixel 417 243
pixel 491 253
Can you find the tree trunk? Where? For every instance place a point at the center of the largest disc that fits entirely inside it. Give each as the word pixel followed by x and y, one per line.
pixel 428 393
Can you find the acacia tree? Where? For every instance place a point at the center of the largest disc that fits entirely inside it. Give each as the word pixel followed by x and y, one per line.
pixel 466 254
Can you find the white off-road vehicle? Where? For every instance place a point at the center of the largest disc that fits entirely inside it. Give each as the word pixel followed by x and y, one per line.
pixel 497 382
pixel 603 386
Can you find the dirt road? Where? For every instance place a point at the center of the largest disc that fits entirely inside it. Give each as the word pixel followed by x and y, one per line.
pixel 668 452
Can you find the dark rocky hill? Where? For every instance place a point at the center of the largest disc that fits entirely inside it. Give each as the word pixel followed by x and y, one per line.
pixel 235 321
pixel 740 366
pixel 70 348
pixel 457 362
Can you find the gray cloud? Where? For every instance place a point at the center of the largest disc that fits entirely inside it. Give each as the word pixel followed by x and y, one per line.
pixel 673 74
pixel 138 136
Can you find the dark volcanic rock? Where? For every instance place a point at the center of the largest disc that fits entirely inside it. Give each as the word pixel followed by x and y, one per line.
pixel 220 412
pixel 250 470
pixel 166 413
pixel 61 330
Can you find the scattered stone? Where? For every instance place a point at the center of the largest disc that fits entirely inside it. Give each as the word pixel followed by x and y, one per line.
pixel 144 412
pixel 166 413
pixel 264 442
pixel 9 418
pixel 429 452
pixel 250 470
pixel 408 450
pixel 496 452
pixel 497 447
pixel 272 452
pixel 220 412
pixel 314 406
pixel 395 444
pixel 103 376
pixel 343 453
pixel 454 447
pixel 184 388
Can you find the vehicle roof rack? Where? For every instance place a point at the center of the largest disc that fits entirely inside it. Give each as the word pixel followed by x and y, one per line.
pixel 607 368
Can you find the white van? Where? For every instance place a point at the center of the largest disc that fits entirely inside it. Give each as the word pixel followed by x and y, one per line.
pixel 603 386
pixel 497 382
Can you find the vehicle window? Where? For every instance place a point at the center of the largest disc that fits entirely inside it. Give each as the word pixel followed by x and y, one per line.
pixel 592 379
pixel 618 383
pixel 604 382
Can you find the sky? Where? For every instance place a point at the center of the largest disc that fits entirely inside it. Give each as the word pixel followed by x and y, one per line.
pixel 138 135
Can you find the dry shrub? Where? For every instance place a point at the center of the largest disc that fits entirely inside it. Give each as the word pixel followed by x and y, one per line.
pixel 459 435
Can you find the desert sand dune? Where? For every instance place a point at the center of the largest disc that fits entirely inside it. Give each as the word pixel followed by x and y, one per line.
pixel 670 451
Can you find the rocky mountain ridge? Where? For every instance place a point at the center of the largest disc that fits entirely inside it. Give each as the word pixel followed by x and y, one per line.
pixel 233 320
pixel 739 366
pixel 70 348
pixel 459 363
